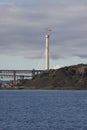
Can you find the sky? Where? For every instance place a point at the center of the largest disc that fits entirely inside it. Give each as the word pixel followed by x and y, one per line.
pixel 23 27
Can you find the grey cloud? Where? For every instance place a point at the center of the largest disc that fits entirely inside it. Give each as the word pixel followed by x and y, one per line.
pixel 23 28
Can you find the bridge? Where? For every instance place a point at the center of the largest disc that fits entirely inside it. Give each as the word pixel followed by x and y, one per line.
pixel 19 74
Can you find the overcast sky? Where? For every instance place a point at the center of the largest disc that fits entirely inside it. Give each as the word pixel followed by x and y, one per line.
pixel 23 26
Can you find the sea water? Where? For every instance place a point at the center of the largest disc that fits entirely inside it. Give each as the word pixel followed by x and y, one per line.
pixel 43 110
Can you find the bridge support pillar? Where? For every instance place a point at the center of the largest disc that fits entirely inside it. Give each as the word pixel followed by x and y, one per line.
pixel 47 52
pixel 14 74
pixel 33 73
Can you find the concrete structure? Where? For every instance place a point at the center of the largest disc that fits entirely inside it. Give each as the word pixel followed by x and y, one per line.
pixel 47 50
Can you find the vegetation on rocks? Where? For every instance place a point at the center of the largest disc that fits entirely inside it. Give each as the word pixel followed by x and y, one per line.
pixel 72 77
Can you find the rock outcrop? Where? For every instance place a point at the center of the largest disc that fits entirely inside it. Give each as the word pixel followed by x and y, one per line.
pixel 72 77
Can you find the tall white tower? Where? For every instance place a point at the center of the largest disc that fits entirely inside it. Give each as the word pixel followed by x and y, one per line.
pixel 47 50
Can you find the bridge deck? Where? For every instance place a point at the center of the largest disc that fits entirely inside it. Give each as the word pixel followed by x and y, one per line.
pixel 19 73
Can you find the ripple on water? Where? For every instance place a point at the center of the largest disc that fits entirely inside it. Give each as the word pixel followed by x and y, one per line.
pixel 43 110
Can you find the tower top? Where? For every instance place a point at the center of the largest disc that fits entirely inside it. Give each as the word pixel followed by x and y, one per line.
pixel 48 31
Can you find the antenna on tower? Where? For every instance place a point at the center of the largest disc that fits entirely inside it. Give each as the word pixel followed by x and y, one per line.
pixel 48 31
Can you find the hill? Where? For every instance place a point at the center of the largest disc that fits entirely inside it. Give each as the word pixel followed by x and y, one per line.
pixel 72 77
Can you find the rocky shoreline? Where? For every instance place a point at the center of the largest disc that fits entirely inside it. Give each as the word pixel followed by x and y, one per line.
pixel 66 78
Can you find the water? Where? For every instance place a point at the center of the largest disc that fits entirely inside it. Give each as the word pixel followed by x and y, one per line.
pixel 43 110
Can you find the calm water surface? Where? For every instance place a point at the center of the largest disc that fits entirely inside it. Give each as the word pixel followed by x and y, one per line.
pixel 43 110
